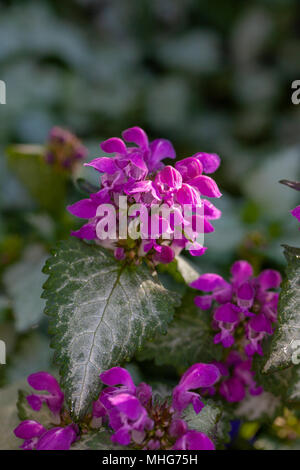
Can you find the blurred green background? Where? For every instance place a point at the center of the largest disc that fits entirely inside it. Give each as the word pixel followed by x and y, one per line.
pixel 211 76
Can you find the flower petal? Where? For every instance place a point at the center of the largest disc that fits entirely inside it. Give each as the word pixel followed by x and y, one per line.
pixel 209 161
pixel 203 301
pixel 208 282
pixel 241 271
pixel 44 381
pixel 210 211
pixel 194 440
pixel 199 375
pixel 127 404
pixel 104 165
pixel 245 295
pixel 85 208
pixel 226 313
pixel 189 168
pixel 57 439
pixel 29 429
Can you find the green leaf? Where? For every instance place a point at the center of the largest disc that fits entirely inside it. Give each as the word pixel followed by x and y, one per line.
pixel 96 440
pixel 101 313
pixel 23 282
pixel 189 338
pixel 286 339
pixel 45 184
pixel 212 420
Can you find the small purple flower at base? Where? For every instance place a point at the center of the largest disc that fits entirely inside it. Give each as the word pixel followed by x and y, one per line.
pixel 42 381
pixel 142 423
pixel 138 173
pixel 243 311
pixel 36 437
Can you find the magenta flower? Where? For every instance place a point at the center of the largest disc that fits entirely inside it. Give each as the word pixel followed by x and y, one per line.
pixel 138 172
pixel 139 421
pixel 63 149
pixel 243 313
pixel 246 302
pixel 136 418
pixel 34 434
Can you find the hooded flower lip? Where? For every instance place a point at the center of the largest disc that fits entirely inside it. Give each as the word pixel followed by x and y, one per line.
pixel 241 271
pixel 210 161
pixel 42 381
pixel 227 318
pixel 136 171
pixel 238 378
pixel 247 300
pixel 137 418
pixel 296 213
pixel 189 168
pixel 30 431
pixel 57 438
pixel 118 376
pixel 35 435
pixel 64 149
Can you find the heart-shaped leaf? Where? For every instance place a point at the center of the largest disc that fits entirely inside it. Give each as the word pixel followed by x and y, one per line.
pixel 101 313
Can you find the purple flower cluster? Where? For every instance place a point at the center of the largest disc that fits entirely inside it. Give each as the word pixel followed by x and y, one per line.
pixel 141 422
pixel 136 419
pixel 244 311
pixel 63 148
pixel 35 435
pixel 138 173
